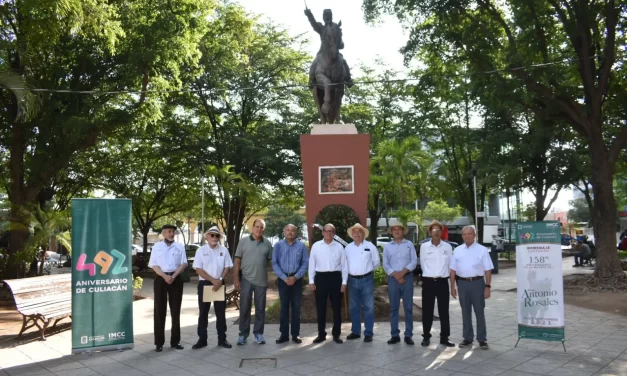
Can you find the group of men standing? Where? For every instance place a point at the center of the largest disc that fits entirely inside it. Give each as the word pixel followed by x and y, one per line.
pixel 332 270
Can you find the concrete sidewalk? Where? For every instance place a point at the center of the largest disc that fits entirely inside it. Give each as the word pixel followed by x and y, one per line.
pixel 596 345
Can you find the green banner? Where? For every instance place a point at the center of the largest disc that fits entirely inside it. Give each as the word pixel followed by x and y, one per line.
pixel 540 281
pixel 102 280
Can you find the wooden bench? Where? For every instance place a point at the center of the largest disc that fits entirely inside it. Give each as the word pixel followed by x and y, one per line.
pixel 42 300
pixel 232 295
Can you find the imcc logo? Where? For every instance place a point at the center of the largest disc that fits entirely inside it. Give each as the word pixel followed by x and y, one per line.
pixel 117 335
pixel 553 225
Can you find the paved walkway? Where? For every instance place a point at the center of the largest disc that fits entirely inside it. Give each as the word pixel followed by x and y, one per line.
pixel 596 345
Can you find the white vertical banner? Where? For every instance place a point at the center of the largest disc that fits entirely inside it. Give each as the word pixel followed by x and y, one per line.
pixel 540 281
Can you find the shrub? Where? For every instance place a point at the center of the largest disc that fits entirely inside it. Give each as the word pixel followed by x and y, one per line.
pixel 380 277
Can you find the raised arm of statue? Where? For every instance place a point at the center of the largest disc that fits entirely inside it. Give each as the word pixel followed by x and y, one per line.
pixel 317 26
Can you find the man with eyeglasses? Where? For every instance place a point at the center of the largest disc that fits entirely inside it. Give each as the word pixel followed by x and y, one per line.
pixel 289 261
pixel 212 263
pixel 435 256
pixel 328 274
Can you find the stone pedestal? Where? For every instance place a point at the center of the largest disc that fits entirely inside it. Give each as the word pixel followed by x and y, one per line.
pixel 332 150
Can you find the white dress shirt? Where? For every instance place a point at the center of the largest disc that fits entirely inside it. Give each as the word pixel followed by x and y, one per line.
pixel 435 259
pixel 212 260
pixel 399 256
pixel 362 258
pixel 168 259
pixel 471 261
pixel 327 258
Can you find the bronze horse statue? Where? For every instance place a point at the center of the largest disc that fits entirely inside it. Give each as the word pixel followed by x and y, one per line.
pixel 329 71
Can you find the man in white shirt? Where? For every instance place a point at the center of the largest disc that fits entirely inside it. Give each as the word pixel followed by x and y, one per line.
pixel 435 257
pixel 363 259
pixel 212 263
pixel 168 260
pixel 328 274
pixel 469 264
pixel 399 260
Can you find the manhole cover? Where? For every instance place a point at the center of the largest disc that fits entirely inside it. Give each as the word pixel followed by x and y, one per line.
pixel 258 362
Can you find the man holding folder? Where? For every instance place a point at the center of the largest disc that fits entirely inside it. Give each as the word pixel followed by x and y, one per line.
pixel 212 263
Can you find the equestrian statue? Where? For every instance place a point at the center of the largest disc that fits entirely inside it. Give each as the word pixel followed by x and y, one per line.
pixel 329 71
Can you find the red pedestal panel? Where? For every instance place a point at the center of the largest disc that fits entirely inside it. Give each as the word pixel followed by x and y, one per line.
pixel 335 150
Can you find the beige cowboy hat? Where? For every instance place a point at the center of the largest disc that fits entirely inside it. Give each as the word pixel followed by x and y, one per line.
pixel 215 230
pixel 396 223
pixel 360 227
pixel 434 223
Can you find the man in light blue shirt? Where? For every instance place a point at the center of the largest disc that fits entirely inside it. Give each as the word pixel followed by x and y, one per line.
pixel 290 260
pixel 399 260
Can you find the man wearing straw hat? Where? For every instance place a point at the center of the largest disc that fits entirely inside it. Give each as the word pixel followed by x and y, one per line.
pixel 212 263
pixel 362 258
pixel 435 256
pixel 399 260
pixel 168 260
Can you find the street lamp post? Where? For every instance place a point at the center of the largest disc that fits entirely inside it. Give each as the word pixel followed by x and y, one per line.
pixel 474 187
pixel 202 184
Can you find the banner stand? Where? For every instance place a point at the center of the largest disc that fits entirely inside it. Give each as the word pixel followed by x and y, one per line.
pixel 102 279
pixel 540 282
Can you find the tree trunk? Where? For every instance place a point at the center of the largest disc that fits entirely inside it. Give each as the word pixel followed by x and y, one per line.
pixel 604 214
pixel 234 213
pixel 144 230
pixel 374 221
pixel 509 216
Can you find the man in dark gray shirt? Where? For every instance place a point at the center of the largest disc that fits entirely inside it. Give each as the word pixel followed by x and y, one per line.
pixel 584 253
pixel 252 256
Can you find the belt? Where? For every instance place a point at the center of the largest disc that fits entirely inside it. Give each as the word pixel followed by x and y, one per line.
pixel 435 278
pixel 169 273
pixel 469 278
pixel 291 274
pixel 360 276
pixel 335 271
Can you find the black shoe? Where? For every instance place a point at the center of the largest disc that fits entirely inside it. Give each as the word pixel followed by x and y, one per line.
pixel 178 346
pixel 465 344
pixel 199 345
pixel 319 339
pixel 425 342
pixel 409 341
pixel 576 266
pixel 297 339
pixel 337 340
pixel 483 345
pixel 447 343
pixel 368 339
pixel 159 349
pixel 393 340
pixel 282 340
pixel 224 344
pixel 353 336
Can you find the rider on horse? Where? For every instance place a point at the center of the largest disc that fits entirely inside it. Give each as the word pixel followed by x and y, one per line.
pixel 318 27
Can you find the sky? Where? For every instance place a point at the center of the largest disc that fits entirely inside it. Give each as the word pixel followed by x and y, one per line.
pixel 364 43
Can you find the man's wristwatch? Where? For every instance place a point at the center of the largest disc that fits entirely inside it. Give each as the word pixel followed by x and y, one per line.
pixel 488 286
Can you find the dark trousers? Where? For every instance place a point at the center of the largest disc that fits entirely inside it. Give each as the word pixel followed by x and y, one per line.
pixel 165 294
pixel 329 285
pixel 203 315
pixel 290 297
pixel 430 291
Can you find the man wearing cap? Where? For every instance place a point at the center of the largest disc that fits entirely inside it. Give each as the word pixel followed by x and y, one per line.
pixel 399 260
pixel 289 261
pixel 212 263
pixel 470 263
pixel 362 258
pixel 168 260
pixel 328 273
pixel 252 256
pixel 435 256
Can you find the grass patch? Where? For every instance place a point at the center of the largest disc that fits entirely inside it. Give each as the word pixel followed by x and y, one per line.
pixel 273 311
pixel 622 254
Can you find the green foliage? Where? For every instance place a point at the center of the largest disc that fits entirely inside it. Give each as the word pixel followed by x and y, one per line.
pixel 138 282
pixel 341 216
pixel 380 277
pixel 579 211
pixel 273 311
pixel 441 211
pixel 278 217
